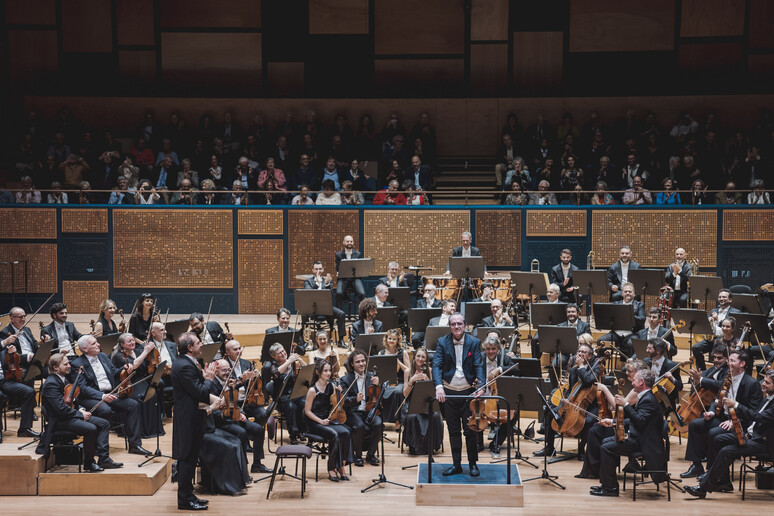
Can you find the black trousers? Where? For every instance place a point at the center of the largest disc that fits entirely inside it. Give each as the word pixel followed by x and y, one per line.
pixel 700 434
pixel 456 413
pixel 95 434
pixel 551 433
pixel 344 284
pixel 248 431
pixel 594 438
pixel 24 393
pixel 186 469
pixel 129 409
pixel 610 454
pixel 725 450
pixel 292 411
pixel 339 439
pixel 340 320
pixel 356 422
pixel 699 350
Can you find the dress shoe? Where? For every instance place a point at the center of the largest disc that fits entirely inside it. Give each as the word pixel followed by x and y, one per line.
pixel 632 467
pixel 701 477
pixel 545 452
pixel 259 468
pixel 494 451
pixel 27 432
pixel 604 491
pixel 238 493
pixel 542 429
pixel 474 472
pixel 332 478
pixel 373 461
pixel 696 491
pixel 92 468
pixel 139 450
pixel 725 488
pixel 345 478
pixel 201 502
pixel 453 470
pixel 359 462
pixel 586 475
pixel 110 464
pixel 695 470
pixel 192 506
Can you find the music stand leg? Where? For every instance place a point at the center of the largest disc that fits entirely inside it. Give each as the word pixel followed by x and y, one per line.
pixel 517 453
pixel 157 453
pixel 382 478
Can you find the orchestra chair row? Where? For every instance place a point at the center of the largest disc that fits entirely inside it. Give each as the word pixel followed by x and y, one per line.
pixel 297 452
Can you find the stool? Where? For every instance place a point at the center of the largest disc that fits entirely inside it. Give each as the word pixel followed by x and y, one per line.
pixel 291 452
pixel 760 471
pixel 63 441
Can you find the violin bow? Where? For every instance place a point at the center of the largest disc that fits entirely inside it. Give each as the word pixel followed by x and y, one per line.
pixel 209 311
pixel 36 312
pixel 116 390
pixel 231 371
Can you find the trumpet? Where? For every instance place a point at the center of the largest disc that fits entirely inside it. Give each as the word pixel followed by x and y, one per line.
pixel 534 265
pixel 590 260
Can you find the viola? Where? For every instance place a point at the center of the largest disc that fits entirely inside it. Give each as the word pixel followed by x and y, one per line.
pixel 127 391
pixel 694 405
pixel 620 431
pixel 231 399
pixel 722 393
pixel 13 368
pixel 477 420
pixel 154 357
pixel 604 408
pixel 71 391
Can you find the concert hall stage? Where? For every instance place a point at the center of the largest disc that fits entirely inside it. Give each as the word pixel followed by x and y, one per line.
pixel 490 488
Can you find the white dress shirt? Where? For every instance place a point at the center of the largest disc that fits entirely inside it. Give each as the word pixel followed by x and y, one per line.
pixel 65 345
pixel 99 371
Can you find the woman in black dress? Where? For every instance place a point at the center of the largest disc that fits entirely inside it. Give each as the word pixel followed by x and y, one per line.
pixel 393 395
pixel 139 324
pixel 415 425
pixel 105 324
pixel 126 353
pixel 317 409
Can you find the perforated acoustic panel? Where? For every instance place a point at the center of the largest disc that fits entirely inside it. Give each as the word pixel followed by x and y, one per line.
pixel 498 236
pixel 654 235
pixel 260 276
pixel 173 249
pixel 24 224
pixel 84 221
pixel 565 223
pixel 84 297
pixel 41 268
pixel 317 235
pixel 413 237
pixel 748 225
pixel 260 222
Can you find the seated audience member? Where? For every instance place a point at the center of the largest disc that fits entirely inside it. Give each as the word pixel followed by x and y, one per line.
pixel 302 198
pixel 272 174
pixel 187 173
pixel 121 193
pixel 237 197
pixel 57 196
pixel 699 193
pixel 543 197
pixel 571 175
pixel 350 197
pixel 74 169
pixel 414 196
pixel 207 195
pixel 328 196
pixel 143 158
pixel 391 196
pixel 601 197
pixel 668 196
pixel 518 173
pixel 85 195
pixel 184 195
pixel 757 196
pixel 729 196
pixel 504 159
pixel 147 194
pixel 28 193
pixel 305 174
pixel 517 196
pixel 637 194
pixel 129 171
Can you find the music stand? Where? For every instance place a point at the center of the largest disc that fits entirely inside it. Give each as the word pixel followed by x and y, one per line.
pixel 433 333
pixel 531 283
pixel 558 339
pixel 355 268
pixel 303 381
pixel 386 367
pixel 475 312
pixel 107 343
pixel 419 318
pixel 529 367
pixel 209 351
pixel 313 302
pixel 695 321
pixel 465 269
pixel 39 361
pixel 649 281
pixel 707 287
pixel 639 345
pixel 149 394
pixel 542 314
pixel 514 390
pixel 748 303
pixel 423 402
pixel 593 282
pixel 556 417
pixel 371 343
pixel 283 337
pixel 758 323
pixel 176 328
pixel 503 331
pixel 400 297
pixel 388 316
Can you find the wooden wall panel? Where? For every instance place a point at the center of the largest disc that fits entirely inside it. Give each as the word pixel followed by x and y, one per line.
pixel 422 73
pixel 709 57
pixel 212 58
pixel 614 26
pixel 87 26
pixel 84 220
pixel 84 297
pixel 33 55
pixel 489 69
pixel 411 27
pixel 41 268
pixel 24 224
pixel 137 65
pixel 317 235
pixel 479 113
pixel 761 22
pixel 489 20
pixel 452 137
pixel 135 22
pixel 260 222
pixel 746 225
pixel 701 18
pixel 31 12
pixel 338 16
pixel 204 13
pixel 537 61
pixel 498 236
pixel 560 223
pixel 261 278
pixel 286 79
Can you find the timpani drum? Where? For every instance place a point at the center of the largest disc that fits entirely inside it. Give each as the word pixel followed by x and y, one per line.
pixel 502 287
pixel 445 287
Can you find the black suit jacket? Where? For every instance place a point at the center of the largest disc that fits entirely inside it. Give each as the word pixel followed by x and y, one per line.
pixel 643 334
pixel 53 406
pixel 88 384
pixel 171 347
pixel 557 276
pixel 445 360
pixel 666 366
pixel 350 400
pixel 684 274
pixel 646 424
pixel 614 276
pixel 714 384
pixel 581 327
pixel 341 255
pixel 422 303
pixel 358 327
pixel 10 330
pixel 764 421
pixel 504 362
pixel 385 281
pixel 189 420
pixel 299 338
pixel 311 284
pixel 457 251
pixel 73 333
pixel 748 394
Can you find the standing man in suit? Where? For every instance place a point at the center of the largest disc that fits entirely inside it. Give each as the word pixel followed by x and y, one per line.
pixel 561 274
pixel 322 281
pixel 348 253
pixel 63 333
pixel 189 421
pixel 652 330
pixel 355 404
pixel 419 173
pixel 620 338
pixel 394 277
pixel 457 365
pixel 17 338
pixel 466 249
pixel 677 276
pixel 367 322
pixel 428 297
pixel 716 317
pixel 618 273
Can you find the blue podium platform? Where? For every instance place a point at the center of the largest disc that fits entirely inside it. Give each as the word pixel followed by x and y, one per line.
pixel 455 490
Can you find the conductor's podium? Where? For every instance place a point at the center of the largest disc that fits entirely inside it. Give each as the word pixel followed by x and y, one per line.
pixel 491 486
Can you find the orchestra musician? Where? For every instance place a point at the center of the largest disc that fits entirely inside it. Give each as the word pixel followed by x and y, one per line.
pixel 394 277
pixel 487 293
pixel 380 295
pixel 658 361
pixel 324 350
pixel 320 281
pixel 552 293
pixel 141 319
pixel 62 417
pixel 716 317
pixel 63 333
pixel 561 274
pixel 652 330
pixel 105 324
pixel 275 372
pixel 393 394
pixel 726 448
pixel 428 297
pixel 677 276
pixel 448 308
pixel 317 410
pixel 466 249
pixel 499 317
pixel 702 431
pixel 618 273
pixel 619 338
pixel 343 284
pixel 126 353
pixel 283 325
pixel 99 382
pixel 355 406
pixel 457 365
pixel 415 426
pixel 209 333
pixel 646 424
pixel 367 322
pixel 573 321
pixel 496 363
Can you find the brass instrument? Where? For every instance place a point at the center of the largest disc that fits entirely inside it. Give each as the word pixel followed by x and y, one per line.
pixel 590 260
pixel 534 265
pixel 693 267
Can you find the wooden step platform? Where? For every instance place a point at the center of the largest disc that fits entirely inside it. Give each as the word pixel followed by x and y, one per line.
pixel 19 469
pixel 489 489
pixel 129 480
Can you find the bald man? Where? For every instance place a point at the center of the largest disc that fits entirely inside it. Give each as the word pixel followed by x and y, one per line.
pixel 677 276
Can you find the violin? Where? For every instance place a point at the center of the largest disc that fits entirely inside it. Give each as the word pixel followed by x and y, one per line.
pixel 722 393
pixel 13 368
pixel 477 420
pixel 604 407
pixel 620 431
pixel 71 391
pixel 93 325
pixel 231 399
pixel 125 392
pixel 122 324
pixel 337 402
pixel 254 392
pixel 372 394
pixel 492 411
pixel 737 426
pixel 229 335
pixel 297 363
pixel 154 357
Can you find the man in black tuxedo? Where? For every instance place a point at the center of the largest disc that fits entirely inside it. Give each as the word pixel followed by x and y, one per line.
pixel 283 325
pixel 716 317
pixel 428 297
pixel 573 321
pixel 713 377
pixel 355 406
pixel 702 431
pixel 63 333
pixel 17 338
pixel 496 363
pixel 189 421
pixel 652 330
pixel 618 273
pixel 167 353
pixel 98 383
pixel 498 318
pixel 661 365
pixel 448 308
pixel 561 274
pixel 342 284
pixel 381 292
pixel 208 333
pixel 61 417
pixel 620 338
pixel 646 424
pixel 367 322
pixel 726 448
pixel 457 366
pixel 322 281
pixel 394 277
pixel 677 276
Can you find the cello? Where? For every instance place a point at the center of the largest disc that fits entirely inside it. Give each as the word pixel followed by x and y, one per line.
pixel 573 410
pixel 694 405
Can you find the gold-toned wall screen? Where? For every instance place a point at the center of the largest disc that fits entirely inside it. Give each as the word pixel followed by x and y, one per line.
pixel 410 237
pixel 259 222
pixel 84 220
pixel 260 278
pixel 41 268
pixel 317 235
pixel 28 223
pixel 564 223
pixel 173 249
pixel 654 235
pixel 498 236
pixel 84 297
pixel 756 225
